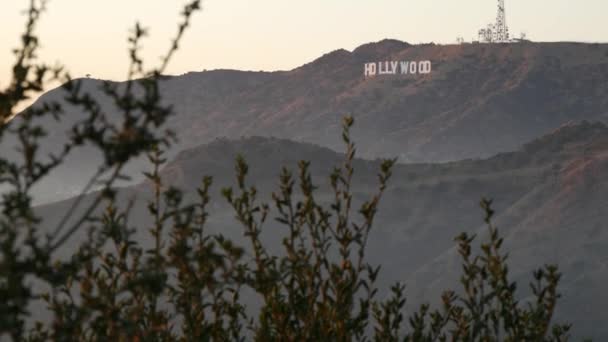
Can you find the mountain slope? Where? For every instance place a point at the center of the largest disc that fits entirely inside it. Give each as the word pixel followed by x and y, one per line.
pixel 561 220
pixel 549 197
pixel 479 100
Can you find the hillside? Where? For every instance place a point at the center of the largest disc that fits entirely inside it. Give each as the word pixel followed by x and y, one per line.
pixel 480 99
pixel 549 196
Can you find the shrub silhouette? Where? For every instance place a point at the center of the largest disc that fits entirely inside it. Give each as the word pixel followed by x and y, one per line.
pixel 189 286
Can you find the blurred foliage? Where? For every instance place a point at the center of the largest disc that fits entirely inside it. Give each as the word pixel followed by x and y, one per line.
pixel 189 284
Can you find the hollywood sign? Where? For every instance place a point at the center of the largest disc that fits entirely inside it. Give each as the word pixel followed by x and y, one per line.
pixel 397 68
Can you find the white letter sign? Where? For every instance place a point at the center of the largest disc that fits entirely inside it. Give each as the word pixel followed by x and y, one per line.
pixel 424 67
pixel 397 67
pixel 370 69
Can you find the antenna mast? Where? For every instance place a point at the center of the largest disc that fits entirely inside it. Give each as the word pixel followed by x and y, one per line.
pixel 499 31
pixel 502 30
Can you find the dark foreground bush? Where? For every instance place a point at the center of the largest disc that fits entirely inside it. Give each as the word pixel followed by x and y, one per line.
pixel 190 284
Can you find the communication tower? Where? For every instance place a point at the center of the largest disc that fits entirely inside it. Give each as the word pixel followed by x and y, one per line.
pixel 499 31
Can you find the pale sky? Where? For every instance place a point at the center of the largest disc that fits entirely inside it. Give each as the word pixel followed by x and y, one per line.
pixel 89 36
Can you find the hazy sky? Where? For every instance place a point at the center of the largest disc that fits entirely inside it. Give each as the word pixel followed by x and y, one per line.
pixel 89 36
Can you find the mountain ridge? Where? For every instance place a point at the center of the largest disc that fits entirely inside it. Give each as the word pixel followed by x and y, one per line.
pixel 479 100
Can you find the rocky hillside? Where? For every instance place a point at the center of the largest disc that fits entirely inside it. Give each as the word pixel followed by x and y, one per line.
pixel 549 196
pixel 480 99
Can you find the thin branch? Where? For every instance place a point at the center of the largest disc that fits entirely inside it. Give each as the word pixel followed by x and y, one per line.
pixel 87 213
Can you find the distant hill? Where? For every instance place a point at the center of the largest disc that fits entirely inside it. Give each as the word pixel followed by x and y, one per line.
pixel 550 198
pixel 479 100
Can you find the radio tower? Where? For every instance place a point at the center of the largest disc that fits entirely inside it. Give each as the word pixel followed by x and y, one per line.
pixel 499 31
pixel 502 30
